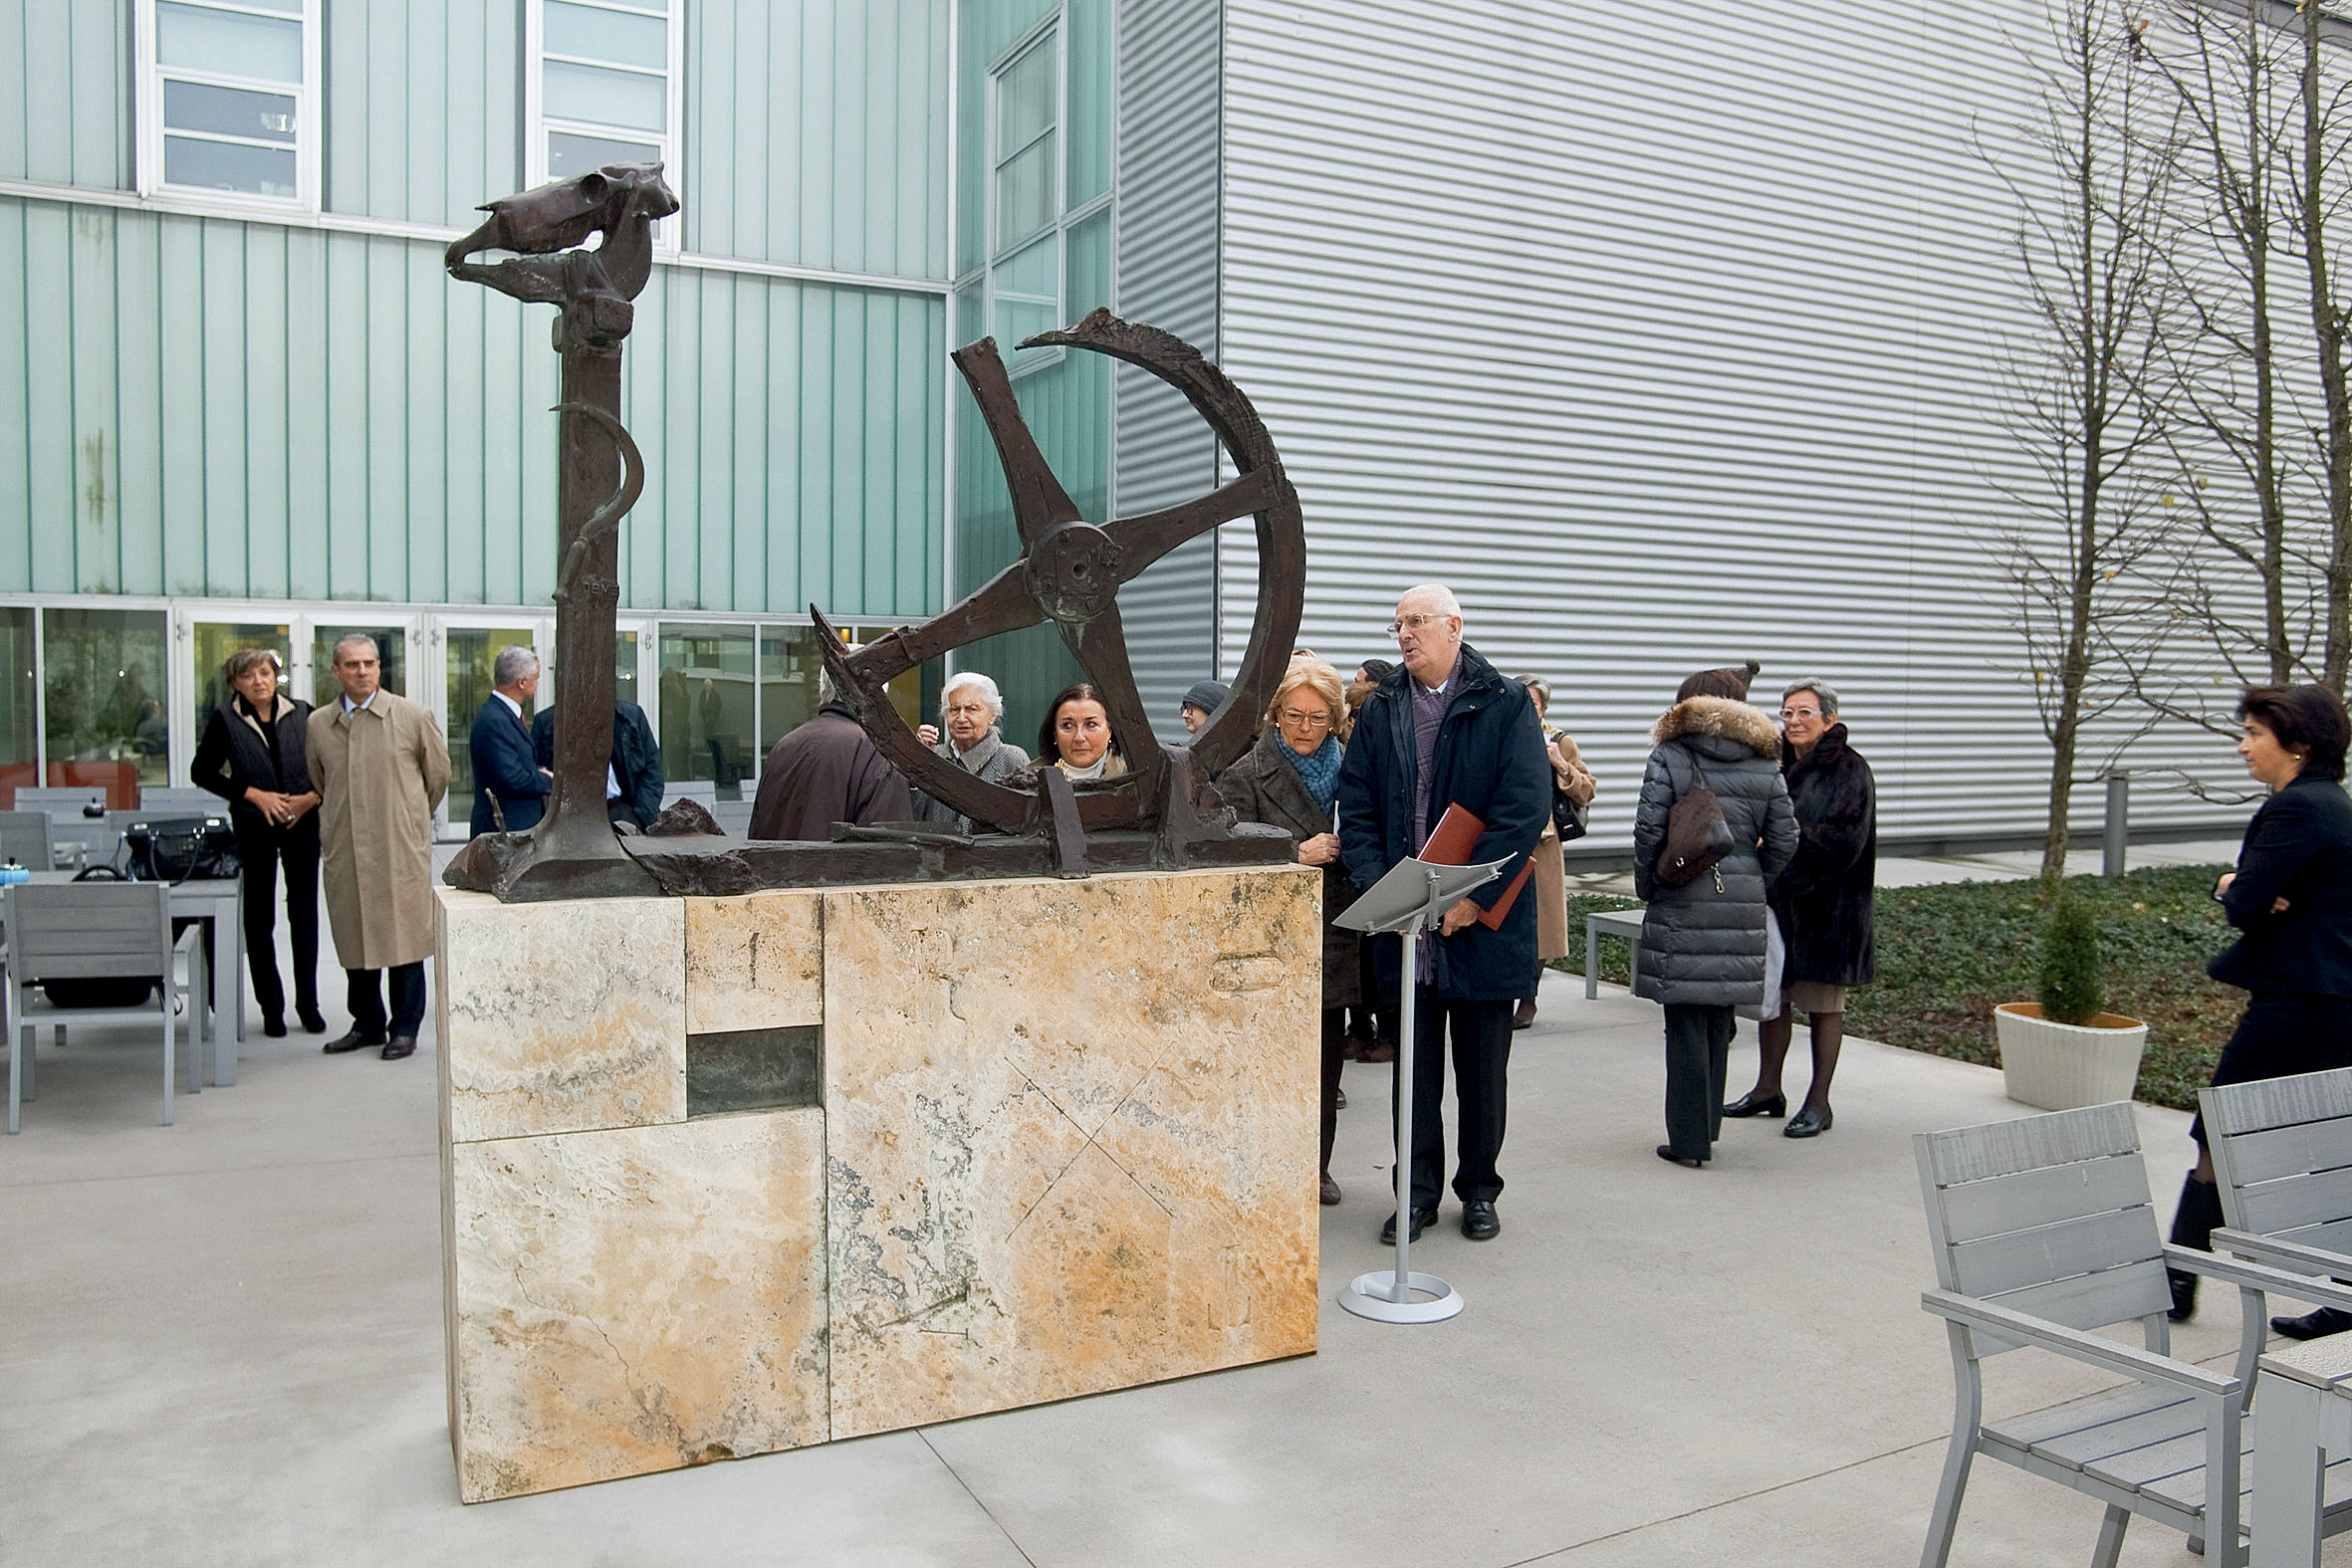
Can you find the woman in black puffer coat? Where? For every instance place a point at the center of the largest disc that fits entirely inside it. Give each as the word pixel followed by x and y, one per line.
pixel 1822 902
pixel 1703 944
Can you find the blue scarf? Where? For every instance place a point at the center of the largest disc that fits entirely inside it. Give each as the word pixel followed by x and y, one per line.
pixel 1319 771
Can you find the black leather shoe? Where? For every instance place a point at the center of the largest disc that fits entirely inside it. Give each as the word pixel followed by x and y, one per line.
pixel 1339 1099
pixel 273 1026
pixel 1752 1104
pixel 2313 1325
pixel 1479 1221
pixel 1329 1191
pixel 1423 1219
pixel 399 1045
pixel 2184 1289
pixel 313 1021
pixel 1809 1122
pixel 1666 1152
pixel 357 1040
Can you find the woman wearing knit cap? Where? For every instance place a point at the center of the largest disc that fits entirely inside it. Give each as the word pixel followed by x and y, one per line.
pixel 1703 941
pixel 1201 703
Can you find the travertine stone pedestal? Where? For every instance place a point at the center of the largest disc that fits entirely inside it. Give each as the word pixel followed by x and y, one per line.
pixel 1057 1137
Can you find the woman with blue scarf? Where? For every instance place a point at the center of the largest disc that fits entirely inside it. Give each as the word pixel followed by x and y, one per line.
pixel 1289 778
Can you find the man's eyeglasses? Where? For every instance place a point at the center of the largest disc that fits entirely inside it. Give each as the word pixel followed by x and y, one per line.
pixel 1312 720
pixel 1412 623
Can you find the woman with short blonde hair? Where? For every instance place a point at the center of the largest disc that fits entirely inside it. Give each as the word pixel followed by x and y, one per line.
pixel 1290 778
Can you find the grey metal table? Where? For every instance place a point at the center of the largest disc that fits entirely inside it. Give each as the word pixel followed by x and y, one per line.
pixel 221 902
pixel 2302 1419
pixel 1624 923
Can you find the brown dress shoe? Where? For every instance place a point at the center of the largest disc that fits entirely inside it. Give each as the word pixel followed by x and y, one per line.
pixel 1382 1050
pixel 399 1045
pixel 357 1039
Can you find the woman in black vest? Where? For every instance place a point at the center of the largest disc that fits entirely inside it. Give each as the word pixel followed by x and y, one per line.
pixel 252 757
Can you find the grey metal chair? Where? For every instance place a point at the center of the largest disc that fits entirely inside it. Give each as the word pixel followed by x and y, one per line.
pixel 2282 1158
pixel 161 801
pixel 2043 1229
pixel 75 839
pixel 24 838
pixel 94 931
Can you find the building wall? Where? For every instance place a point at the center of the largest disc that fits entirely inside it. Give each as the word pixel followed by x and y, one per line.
pixel 252 407
pixel 1662 341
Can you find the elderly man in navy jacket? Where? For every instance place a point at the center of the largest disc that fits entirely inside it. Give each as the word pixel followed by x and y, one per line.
pixel 1445 729
pixel 504 768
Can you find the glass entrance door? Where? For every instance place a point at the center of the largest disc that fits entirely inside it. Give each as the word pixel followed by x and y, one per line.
pixel 396 641
pixel 468 653
pixel 209 645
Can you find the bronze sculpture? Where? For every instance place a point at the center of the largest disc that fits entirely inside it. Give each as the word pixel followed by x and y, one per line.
pixel 574 852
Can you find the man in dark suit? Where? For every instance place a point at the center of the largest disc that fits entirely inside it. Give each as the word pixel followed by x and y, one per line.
pixel 634 778
pixel 503 769
pixel 1446 729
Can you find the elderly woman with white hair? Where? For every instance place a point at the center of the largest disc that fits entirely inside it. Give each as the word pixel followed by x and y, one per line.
pixel 971 711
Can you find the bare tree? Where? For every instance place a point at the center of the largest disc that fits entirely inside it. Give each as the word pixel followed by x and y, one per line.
pixel 2315 185
pixel 2091 172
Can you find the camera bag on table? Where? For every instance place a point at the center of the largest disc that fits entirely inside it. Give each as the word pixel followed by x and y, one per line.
pixel 166 849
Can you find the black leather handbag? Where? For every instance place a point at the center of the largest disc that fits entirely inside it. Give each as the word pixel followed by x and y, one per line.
pixel 181 849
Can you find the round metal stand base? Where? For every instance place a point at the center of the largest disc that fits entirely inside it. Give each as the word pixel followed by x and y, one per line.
pixel 1368 1295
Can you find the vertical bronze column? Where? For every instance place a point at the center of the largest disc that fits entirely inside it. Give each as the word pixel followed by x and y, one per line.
pixel 574 852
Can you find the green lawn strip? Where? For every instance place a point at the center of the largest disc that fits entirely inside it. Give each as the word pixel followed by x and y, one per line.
pixel 1947 955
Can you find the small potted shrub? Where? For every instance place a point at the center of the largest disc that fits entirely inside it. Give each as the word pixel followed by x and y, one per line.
pixel 2067 1050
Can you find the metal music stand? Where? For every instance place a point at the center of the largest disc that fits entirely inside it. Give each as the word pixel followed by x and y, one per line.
pixel 1412 895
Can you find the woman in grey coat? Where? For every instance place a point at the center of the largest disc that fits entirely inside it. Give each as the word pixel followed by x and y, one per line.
pixel 1703 944
pixel 971 710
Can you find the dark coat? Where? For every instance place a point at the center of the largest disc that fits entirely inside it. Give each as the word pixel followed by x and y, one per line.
pixel 1823 898
pixel 635 761
pixel 500 747
pixel 1490 761
pixel 234 755
pixel 1263 788
pixel 1703 944
pixel 992 760
pixel 827 771
pixel 2298 847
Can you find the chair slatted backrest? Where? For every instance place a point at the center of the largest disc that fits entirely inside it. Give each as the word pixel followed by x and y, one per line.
pixel 89 930
pixel 2282 1151
pixel 24 838
pixel 161 801
pixel 2048 1216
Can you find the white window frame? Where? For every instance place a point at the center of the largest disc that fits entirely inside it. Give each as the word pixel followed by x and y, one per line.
pixel 669 233
pixel 308 130
pixel 1050 31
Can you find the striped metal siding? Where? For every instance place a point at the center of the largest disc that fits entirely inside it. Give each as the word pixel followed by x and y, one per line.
pixel 422 107
pixel 1662 339
pixel 64 92
pixel 237 409
pixel 1167 275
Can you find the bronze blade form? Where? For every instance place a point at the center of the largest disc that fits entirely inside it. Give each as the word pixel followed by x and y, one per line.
pixel 1070 572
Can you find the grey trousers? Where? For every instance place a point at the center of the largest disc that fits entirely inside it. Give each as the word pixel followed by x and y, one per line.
pixel 1698 1053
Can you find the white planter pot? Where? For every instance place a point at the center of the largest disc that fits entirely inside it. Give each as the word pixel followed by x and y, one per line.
pixel 2062 1066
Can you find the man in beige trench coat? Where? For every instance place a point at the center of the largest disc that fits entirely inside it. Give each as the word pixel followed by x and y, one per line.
pixel 382 767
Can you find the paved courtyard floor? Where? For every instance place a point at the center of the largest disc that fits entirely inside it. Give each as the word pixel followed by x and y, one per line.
pixel 221 1343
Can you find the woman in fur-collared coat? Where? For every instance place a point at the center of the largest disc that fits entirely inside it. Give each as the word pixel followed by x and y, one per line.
pixel 1703 944
pixel 1822 902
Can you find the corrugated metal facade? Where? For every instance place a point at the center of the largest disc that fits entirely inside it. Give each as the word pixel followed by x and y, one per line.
pixel 1167 276
pixel 1662 341
pixel 228 407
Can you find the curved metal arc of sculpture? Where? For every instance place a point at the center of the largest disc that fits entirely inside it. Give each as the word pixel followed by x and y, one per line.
pixel 606 517
pixel 1070 571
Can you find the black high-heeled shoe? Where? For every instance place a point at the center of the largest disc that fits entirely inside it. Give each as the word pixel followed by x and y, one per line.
pixel 1750 1104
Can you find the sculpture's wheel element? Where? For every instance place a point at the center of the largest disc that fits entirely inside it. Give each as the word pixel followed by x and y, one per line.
pixel 1070 571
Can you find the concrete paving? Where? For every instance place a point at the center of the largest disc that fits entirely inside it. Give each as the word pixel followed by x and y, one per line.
pixel 222 1345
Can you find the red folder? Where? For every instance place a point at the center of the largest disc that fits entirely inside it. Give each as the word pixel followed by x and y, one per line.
pixel 1449 845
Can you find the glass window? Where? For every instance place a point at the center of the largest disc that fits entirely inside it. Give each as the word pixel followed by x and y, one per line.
pixel 604 89
pixel 210 643
pixel 708 705
pixel 19 760
pixel 105 680
pixel 229 98
pixel 789 667
pixel 469 654
pixel 1024 198
pixel 392 647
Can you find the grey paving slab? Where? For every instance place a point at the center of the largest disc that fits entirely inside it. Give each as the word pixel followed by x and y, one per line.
pixel 223 1345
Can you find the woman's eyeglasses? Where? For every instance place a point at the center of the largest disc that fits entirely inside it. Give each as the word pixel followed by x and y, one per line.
pixel 1312 721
